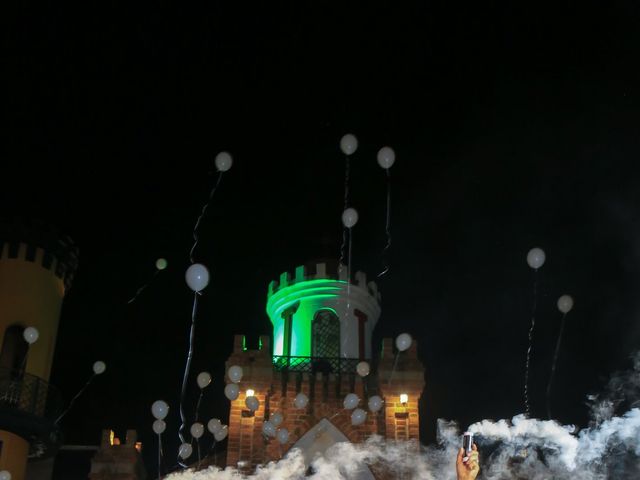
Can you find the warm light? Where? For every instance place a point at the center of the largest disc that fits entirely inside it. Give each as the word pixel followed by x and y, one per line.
pixel 139 446
pixel 250 393
pixel 112 435
pixel 404 398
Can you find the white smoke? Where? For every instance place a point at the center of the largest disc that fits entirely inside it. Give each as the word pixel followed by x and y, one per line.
pixel 521 448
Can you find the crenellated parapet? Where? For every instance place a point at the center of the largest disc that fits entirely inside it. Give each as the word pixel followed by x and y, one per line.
pixel 323 270
pixel 37 242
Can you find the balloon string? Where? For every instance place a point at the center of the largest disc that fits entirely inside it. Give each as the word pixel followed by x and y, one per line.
pixel 74 399
pixel 186 370
pixel 531 329
pixel 196 235
pixel 347 316
pixel 347 168
pixel 159 456
pixel 553 366
pixel 143 287
pixel 195 420
pixel 395 364
pixel 385 250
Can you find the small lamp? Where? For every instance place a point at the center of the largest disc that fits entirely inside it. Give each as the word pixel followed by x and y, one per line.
pixel 404 399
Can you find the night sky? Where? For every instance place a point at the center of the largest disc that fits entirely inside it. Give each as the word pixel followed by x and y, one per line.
pixel 514 127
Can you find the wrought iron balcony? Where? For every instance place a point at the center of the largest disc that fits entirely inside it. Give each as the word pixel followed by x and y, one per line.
pixel 316 364
pixel 29 407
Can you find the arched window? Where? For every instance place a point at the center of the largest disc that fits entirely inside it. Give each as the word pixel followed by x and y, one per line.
pixel 326 334
pixel 14 351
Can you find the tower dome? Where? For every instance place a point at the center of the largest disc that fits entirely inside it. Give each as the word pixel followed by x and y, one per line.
pixel 319 312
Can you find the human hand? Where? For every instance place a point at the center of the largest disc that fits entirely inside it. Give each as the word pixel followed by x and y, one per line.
pixel 468 469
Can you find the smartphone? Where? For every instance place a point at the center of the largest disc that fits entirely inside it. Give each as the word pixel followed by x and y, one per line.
pixel 467 444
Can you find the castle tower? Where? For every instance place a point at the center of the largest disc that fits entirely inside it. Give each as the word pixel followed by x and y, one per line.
pixel 36 269
pixel 115 460
pixel 322 328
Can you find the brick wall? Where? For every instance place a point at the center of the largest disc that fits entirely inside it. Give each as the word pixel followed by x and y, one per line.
pixel 247 446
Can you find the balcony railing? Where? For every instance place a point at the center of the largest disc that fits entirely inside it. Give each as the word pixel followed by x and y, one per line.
pixel 316 364
pixel 28 394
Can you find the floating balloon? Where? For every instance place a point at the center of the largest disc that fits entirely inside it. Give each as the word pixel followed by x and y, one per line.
pixel 269 429
pixel 348 144
pixel 252 403
pixel 386 157
pixel 565 303
pixel 185 450
pixel 203 379
pixel 349 217
pixel 160 409
pixel 5 475
pixel 375 403
pixel 283 435
pixel 214 425
pixel 358 416
pixel 403 341
pixel 351 401
pixel 161 264
pixel 99 367
pixel 276 418
pixel 221 434
pixel 536 258
pixel 31 335
pixel 223 161
pixel 197 277
pixel 301 400
pixel 197 429
pixel 231 391
pixel 159 426
pixel 235 373
pixel 363 369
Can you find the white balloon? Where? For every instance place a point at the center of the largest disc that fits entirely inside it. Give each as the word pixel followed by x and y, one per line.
pixel 363 369
pixel 565 303
pixel 358 416
pixel 5 475
pixel 159 426
pixel 375 403
pixel 203 379
pixel 161 264
pixel 235 373
pixel 231 391
pixel 99 367
pixel 276 418
pixel 348 144
pixel 185 450
pixel 197 429
pixel 351 401
pixel 349 217
pixel 221 434
pixel 403 341
pixel 301 400
pixel 536 258
pixel 197 277
pixel 160 409
pixel 31 335
pixel 223 161
pixel 269 429
pixel 386 157
pixel 214 425
pixel 283 435
pixel 252 403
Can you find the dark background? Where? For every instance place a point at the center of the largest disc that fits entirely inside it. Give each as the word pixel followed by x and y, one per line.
pixel 514 127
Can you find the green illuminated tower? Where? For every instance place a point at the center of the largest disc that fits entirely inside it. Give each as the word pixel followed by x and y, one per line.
pixel 320 314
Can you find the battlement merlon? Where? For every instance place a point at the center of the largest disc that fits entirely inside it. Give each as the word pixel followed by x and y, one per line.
pixel 322 270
